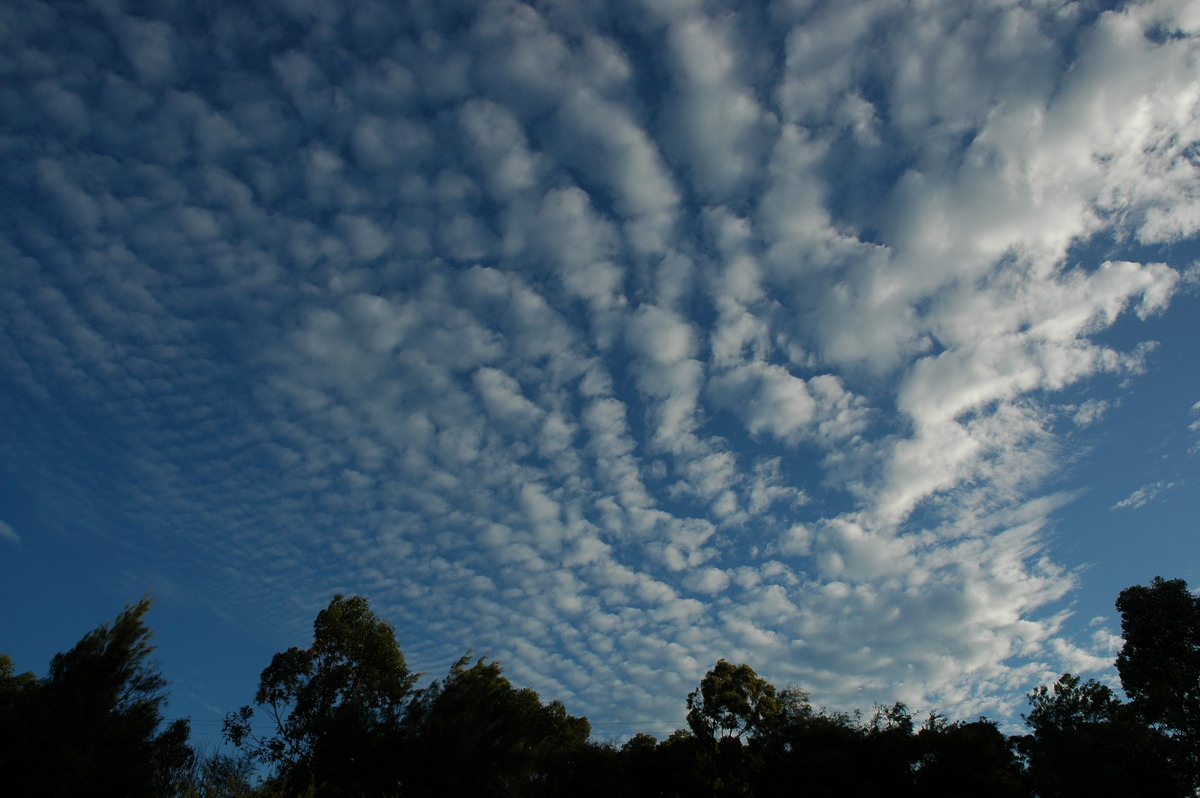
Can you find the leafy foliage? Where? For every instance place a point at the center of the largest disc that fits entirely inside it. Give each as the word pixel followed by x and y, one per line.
pixel 1083 742
pixel 219 775
pixel 967 758
pixel 732 701
pixel 1069 704
pixel 94 719
pixel 1159 666
pixel 1160 661
pixel 476 734
pixel 336 706
pixel 345 719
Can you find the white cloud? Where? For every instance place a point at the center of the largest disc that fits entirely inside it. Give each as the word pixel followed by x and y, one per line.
pixel 1143 495
pixel 660 336
pixel 713 116
pixel 621 159
pixel 504 401
pixel 1090 412
pixel 707 580
pixel 496 138
pixel 574 243
pixel 149 46
pixel 768 398
pixel 610 350
pixel 8 534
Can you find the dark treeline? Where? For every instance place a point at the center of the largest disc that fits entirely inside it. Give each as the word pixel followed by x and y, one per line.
pixel 344 717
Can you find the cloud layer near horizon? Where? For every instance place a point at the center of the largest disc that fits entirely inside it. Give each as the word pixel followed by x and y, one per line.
pixel 608 339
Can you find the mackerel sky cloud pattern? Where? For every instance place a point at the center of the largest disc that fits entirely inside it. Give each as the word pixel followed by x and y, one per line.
pixel 608 339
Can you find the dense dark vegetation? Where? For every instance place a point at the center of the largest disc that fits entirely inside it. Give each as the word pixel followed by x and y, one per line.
pixel 343 717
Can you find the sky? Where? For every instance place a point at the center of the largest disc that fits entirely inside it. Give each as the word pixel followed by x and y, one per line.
pixel 855 340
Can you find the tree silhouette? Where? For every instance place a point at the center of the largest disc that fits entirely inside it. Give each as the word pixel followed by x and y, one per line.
pixel 94 719
pixel 335 707
pixel 1084 742
pixel 476 734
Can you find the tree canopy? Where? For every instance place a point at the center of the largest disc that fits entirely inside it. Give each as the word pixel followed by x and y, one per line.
pixel 1159 665
pixel 334 707
pixel 94 719
pixel 476 734
pixel 344 717
pixel 732 701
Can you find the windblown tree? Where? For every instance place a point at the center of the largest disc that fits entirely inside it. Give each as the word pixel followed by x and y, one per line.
pixel 335 708
pixel 94 720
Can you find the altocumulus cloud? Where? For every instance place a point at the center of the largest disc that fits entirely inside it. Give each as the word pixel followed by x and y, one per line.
pixel 606 339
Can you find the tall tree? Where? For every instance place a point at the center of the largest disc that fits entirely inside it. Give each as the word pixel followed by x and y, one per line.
pixel 967 758
pixel 94 720
pixel 1159 664
pixel 1084 742
pixel 732 701
pixel 335 708
pixel 475 734
pixel 824 751
pixel 733 706
pixel 1160 661
pixel 889 749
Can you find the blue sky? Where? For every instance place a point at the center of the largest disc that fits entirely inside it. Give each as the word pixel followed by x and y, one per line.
pixel 852 341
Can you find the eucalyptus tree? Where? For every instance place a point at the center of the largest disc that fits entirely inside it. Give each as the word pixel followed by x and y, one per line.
pixel 732 702
pixel 334 709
